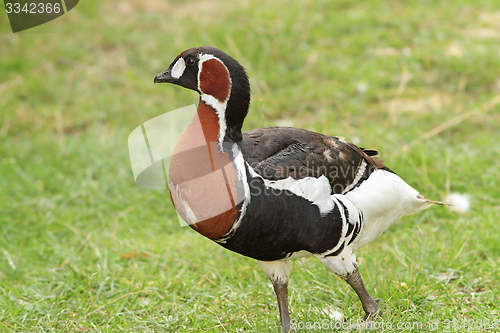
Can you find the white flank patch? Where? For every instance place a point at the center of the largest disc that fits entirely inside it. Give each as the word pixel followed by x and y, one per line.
pixel 316 190
pixel 460 202
pixel 276 271
pixel 359 174
pixel 353 210
pixel 341 239
pixel 353 219
pixel 178 68
pixel 383 198
pixel 218 106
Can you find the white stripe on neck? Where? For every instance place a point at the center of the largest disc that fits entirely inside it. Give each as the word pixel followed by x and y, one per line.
pixel 220 110
pixel 218 106
pixel 241 165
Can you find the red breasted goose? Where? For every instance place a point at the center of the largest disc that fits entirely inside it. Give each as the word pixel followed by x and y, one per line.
pixel 276 193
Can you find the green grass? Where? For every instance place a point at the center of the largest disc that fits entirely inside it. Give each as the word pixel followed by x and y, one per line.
pixel 381 74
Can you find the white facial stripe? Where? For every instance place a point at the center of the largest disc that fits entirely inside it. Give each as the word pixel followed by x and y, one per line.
pixel 178 68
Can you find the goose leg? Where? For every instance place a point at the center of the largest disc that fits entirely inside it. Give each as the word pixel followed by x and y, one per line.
pixel 369 304
pixel 281 290
pixel 278 272
pixel 345 266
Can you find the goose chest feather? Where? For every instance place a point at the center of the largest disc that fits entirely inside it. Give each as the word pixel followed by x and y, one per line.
pixel 276 193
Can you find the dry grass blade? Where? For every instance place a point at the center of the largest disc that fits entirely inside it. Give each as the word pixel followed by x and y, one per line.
pixel 454 121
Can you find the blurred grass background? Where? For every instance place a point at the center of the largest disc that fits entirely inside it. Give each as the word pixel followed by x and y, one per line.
pixel 82 249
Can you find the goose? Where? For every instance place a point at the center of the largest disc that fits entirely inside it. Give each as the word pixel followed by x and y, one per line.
pixel 277 193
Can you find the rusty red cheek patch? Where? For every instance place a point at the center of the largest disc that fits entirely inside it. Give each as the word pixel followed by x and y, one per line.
pixel 215 80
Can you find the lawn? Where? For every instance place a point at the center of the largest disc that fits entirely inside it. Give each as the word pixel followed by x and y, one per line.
pixel 83 249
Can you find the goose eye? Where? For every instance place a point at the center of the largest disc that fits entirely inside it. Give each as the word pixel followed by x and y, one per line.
pixel 190 61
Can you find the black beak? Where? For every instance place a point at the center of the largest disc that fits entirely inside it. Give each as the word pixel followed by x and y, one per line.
pixel 164 77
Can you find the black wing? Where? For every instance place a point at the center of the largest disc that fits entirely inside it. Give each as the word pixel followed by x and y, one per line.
pixel 280 152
